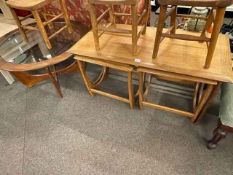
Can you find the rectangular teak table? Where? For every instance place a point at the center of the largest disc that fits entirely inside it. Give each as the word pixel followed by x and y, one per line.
pixel 177 60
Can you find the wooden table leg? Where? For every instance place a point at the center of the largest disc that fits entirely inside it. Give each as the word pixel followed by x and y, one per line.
pixel 195 96
pixel 130 90
pixel 198 93
pixel 203 102
pixel 208 101
pixel 88 83
pixel 146 85
pixel 101 76
pixel 55 81
pixel 84 76
pixel 140 89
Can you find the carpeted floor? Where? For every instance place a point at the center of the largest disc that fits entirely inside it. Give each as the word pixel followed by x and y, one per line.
pixel 41 133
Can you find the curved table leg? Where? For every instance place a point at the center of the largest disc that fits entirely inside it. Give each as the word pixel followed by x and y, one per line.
pixel 147 85
pixel 195 95
pixel 140 88
pixel 130 90
pixel 87 81
pixel 204 100
pixel 207 98
pixel 198 93
pixel 92 86
pixel 101 76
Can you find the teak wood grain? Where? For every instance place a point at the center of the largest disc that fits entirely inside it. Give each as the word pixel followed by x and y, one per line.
pixel 175 56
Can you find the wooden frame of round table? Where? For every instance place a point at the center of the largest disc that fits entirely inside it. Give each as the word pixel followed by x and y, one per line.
pixel 20 71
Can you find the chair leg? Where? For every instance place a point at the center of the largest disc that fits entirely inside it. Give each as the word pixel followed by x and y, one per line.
pixel 112 16
pixel 94 26
pixel 50 25
pixel 66 16
pixel 173 21
pixel 214 36
pixel 134 28
pixel 162 17
pixel 85 77
pixel 21 30
pixel 147 17
pixel 208 24
pixel 41 28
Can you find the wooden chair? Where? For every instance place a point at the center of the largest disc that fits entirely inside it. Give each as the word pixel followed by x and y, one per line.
pixel 217 20
pixel 36 7
pixel 111 27
pixel 23 71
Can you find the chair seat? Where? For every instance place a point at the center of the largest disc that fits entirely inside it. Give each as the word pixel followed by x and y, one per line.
pixel 198 3
pixel 27 4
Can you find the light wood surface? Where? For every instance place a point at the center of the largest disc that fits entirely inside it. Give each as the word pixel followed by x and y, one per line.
pixel 6 28
pixel 175 56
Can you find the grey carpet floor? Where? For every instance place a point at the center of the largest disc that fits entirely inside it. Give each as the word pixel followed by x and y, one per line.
pixel 41 133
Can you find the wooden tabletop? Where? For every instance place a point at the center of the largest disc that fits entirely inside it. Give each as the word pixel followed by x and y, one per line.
pixel 6 28
pixel 175 56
